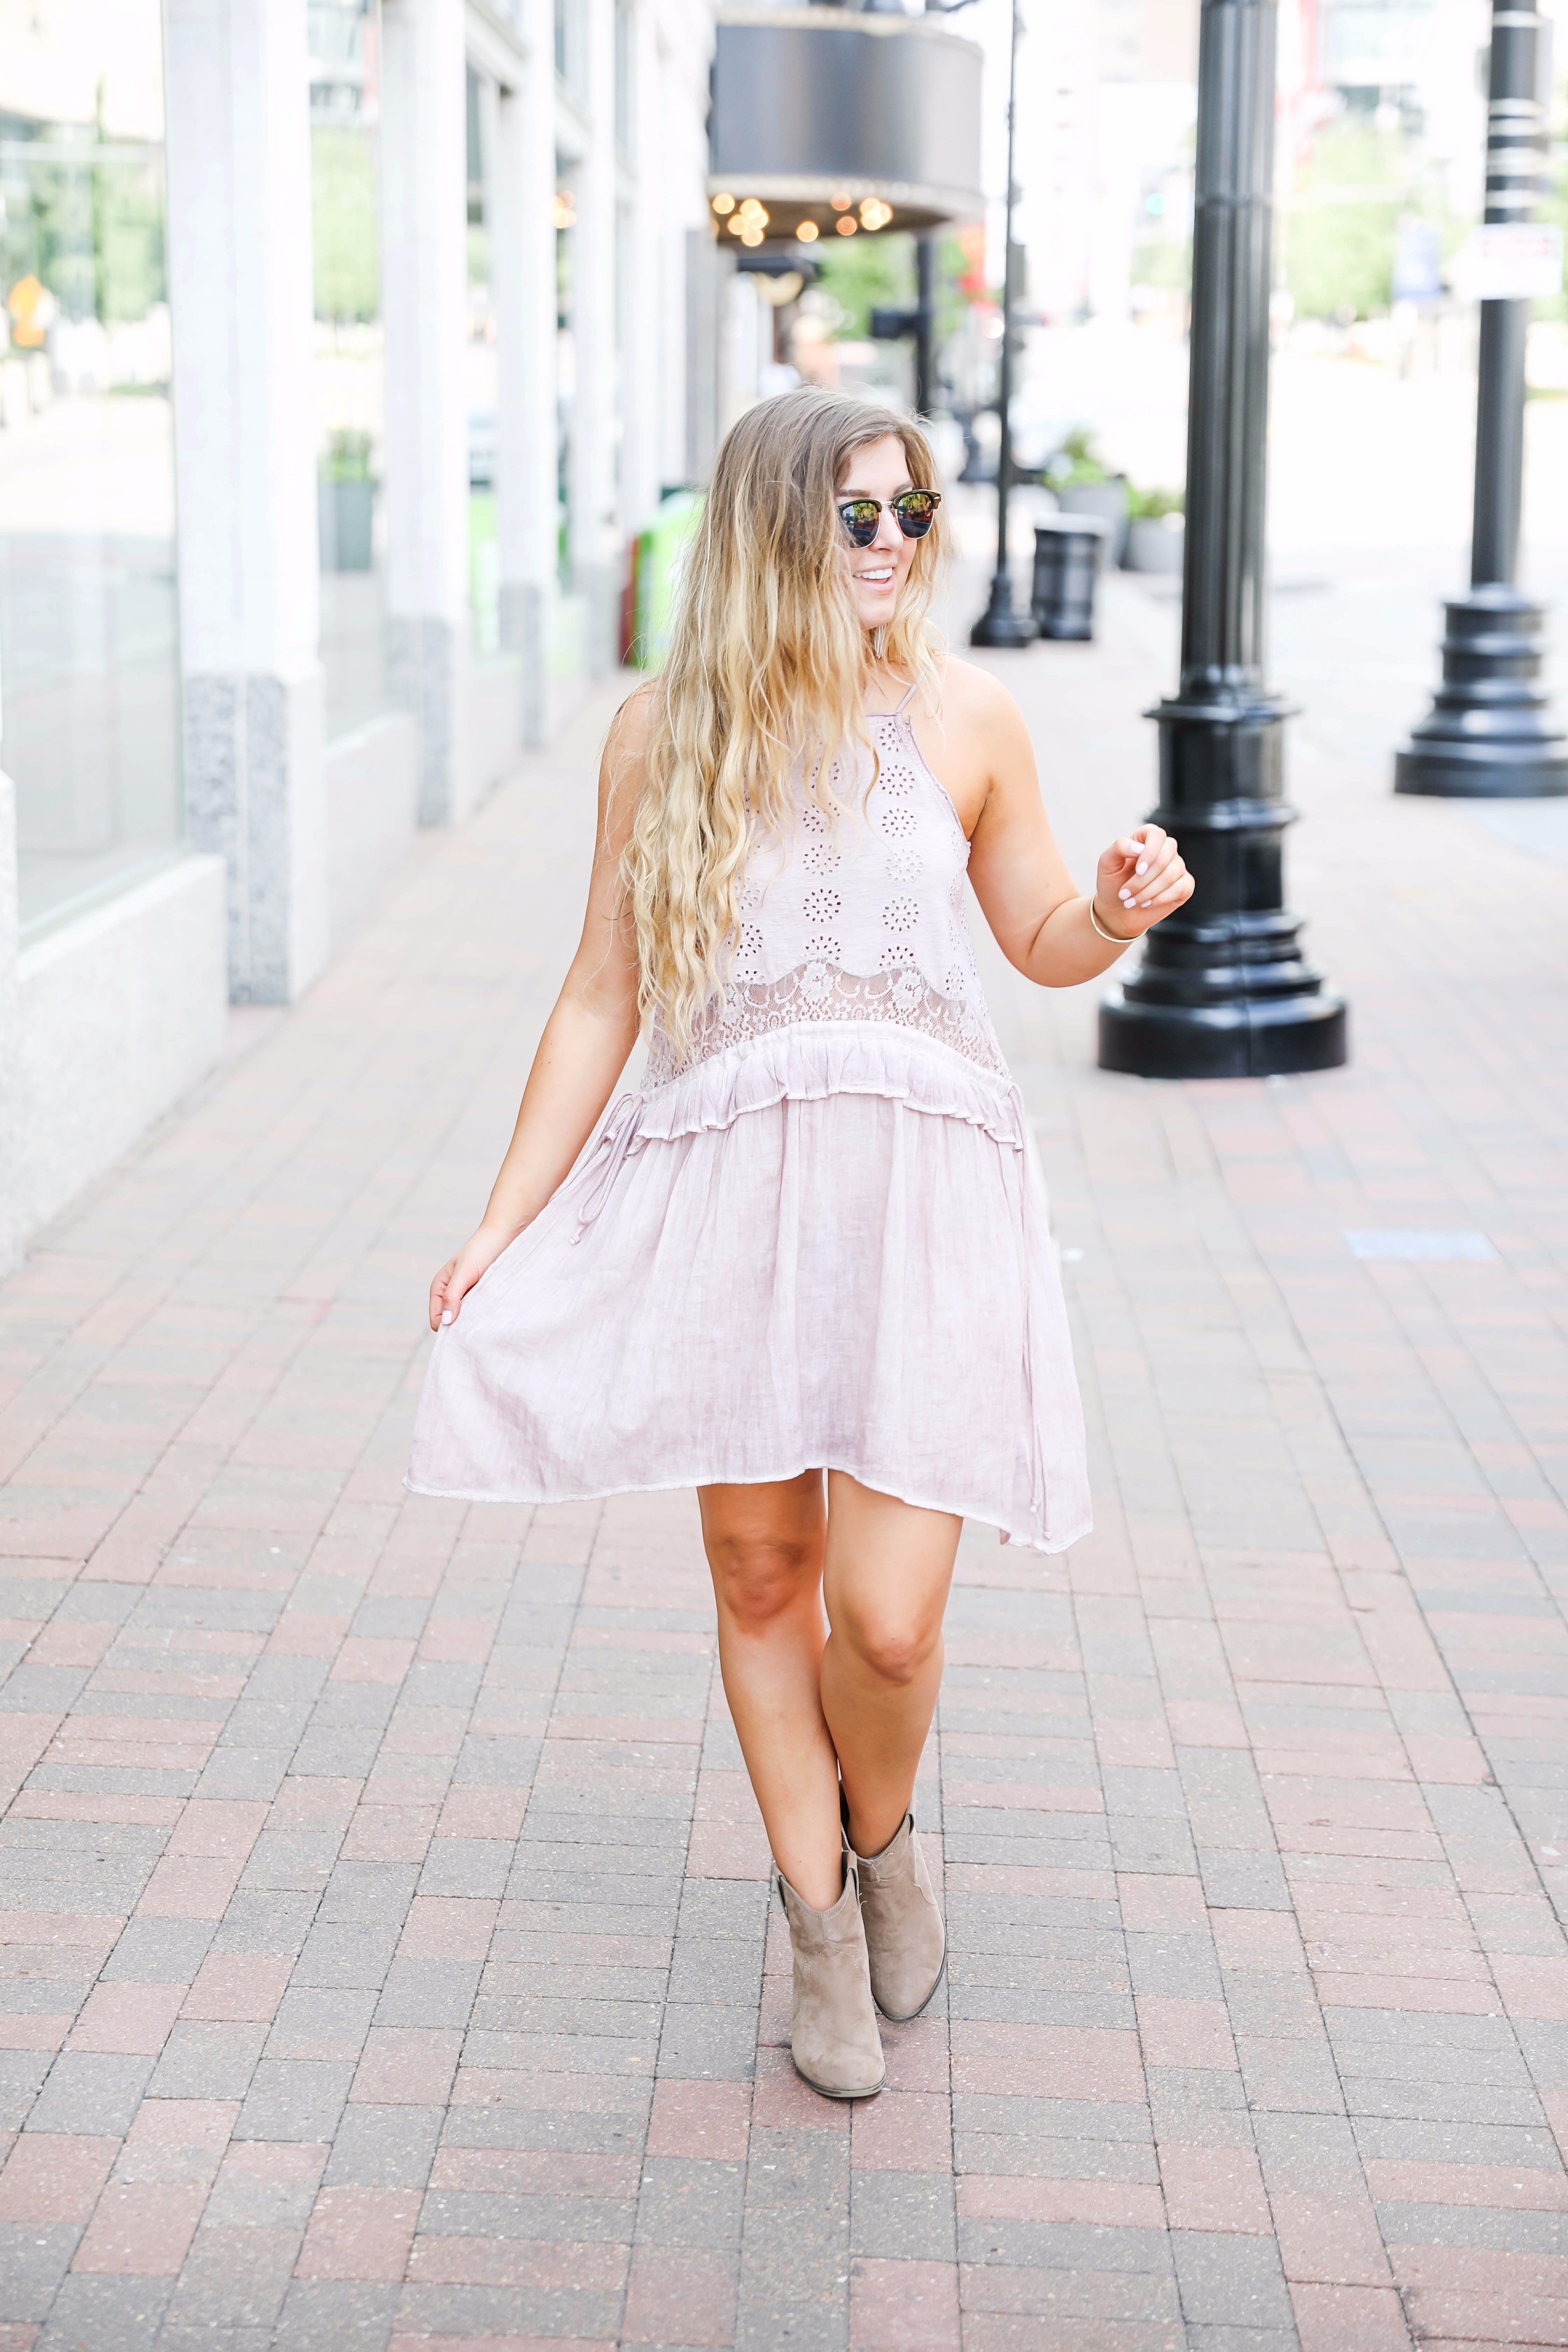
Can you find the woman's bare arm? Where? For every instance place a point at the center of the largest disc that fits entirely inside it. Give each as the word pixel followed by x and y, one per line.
pixel 1038 915
pixel 586 1042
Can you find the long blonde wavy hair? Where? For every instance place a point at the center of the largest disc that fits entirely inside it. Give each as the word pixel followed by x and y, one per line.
pixel 767 672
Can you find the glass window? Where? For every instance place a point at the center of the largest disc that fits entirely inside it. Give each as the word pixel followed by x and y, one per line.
pixel 345 50
pixel 565 366
pixel 624 85
pixel 89 618
pixel 571 44
pixel 484 548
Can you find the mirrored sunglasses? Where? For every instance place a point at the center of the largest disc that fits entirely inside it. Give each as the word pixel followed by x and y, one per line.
pixel 915 511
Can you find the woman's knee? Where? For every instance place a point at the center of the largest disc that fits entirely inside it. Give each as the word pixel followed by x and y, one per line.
pixel 758 1579
pixel 897 1650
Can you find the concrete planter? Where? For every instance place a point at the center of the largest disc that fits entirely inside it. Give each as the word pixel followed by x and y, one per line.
pixel 1106 499
pixel 345 512
pixel 1154 543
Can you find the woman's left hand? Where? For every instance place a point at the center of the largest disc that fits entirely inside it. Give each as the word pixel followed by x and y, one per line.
pixel 1140 880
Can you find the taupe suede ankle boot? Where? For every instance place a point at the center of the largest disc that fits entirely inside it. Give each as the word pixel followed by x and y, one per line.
pixel 833 2022
pixel 905 1940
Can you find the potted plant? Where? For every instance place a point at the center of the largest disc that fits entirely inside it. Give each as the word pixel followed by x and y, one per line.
pixel 1155 532
pixel 1084 483
pixel 346 502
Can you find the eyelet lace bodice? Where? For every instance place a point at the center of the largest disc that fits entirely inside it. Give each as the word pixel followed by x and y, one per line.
pixel 855 919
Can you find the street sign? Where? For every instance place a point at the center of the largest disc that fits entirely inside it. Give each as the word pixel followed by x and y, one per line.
pixel 1513 261
pixel 1417 260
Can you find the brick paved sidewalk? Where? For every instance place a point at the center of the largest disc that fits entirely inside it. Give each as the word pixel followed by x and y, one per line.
pixel 387 1955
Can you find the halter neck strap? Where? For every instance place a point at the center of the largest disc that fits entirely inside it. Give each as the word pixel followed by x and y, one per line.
pixel 900 707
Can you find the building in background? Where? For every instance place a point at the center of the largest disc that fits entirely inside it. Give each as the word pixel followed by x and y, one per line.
pixel 1108 102
pixel 345 345
pixel 1382 136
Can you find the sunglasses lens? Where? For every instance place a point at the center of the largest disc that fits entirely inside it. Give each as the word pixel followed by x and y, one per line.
pixel 860 519
pixel 916 512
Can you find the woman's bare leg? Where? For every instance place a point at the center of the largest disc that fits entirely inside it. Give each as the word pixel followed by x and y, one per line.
pixel 766 1547
pixel 887 1571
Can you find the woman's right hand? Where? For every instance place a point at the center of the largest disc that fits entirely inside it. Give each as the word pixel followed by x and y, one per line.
pixel 460 1274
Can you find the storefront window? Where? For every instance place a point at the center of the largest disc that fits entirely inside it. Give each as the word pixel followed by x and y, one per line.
pixel 484 549
pixel 623 94
pixel 565 367
pixel 89 714
pixel 570 44
pixel 351 408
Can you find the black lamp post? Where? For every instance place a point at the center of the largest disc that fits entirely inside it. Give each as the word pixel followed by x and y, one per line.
pixel 1223 991
pixel 1489 735
pixel 890 325
pixel 925 325
pixel 999 625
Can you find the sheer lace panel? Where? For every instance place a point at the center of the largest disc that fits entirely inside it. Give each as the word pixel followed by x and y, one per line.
pixel 858 920
pixel 820 990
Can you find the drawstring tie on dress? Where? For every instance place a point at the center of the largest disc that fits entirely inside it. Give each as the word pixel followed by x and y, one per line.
pixel 1035 1237
pixel 603 1164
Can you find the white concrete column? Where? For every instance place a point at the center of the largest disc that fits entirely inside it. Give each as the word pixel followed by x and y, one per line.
pixel 12 1123
pixel 655 207
pixel 522 276
pixel 424 303
pixel 674 160
pixel 595 522
pixel 239 274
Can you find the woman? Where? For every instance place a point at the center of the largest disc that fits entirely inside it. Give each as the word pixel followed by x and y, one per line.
pixel 806 1267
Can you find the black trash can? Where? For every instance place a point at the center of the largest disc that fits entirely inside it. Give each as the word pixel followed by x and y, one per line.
pixel 1067 558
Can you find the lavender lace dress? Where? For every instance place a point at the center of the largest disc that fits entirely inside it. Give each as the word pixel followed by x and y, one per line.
pixel 818 1241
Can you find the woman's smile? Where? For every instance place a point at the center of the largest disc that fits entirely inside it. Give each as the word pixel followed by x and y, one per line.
pixel 876 574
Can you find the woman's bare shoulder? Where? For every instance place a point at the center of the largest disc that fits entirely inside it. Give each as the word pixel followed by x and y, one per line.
pixel 633 722
pixel 972 697
pixel 623 770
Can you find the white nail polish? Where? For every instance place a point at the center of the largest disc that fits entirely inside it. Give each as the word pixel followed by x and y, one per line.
pixel 446 1314
pixel 1143 866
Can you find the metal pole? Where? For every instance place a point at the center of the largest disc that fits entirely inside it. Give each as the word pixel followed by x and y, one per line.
pixel 925 325
pixel 999 625
pixel 1223 989
pixel 1491 735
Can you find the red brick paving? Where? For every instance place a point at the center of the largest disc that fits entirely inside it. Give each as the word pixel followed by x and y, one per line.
pixel 386 1959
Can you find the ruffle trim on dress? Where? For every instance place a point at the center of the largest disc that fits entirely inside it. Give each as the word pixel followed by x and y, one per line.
pixel 815 1059
pixel 1024 1537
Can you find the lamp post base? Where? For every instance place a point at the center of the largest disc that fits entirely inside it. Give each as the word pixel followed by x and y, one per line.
pixel 1276 1037
pixel 1490 736
pixel 1223 989
pixel 999 625
pixel 1451 773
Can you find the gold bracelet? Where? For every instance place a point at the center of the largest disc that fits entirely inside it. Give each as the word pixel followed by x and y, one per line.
pixel 1112 939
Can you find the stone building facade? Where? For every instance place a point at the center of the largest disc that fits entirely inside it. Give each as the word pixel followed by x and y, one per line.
pixel 346 344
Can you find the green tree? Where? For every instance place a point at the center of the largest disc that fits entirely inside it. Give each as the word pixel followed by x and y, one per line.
pixel 129 238
pixel 1554 205
pixel 1164 262
pixel 343 222
pixel 864 273
pixel 1339 239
